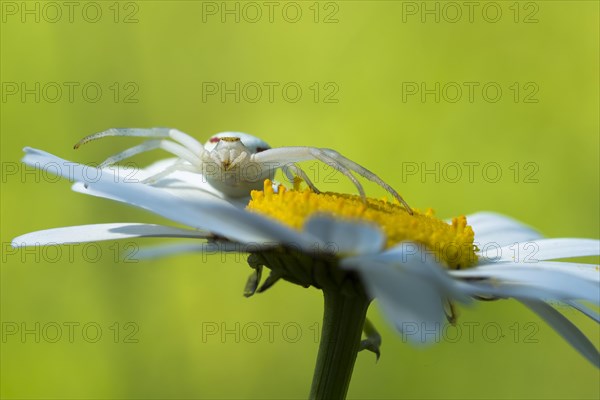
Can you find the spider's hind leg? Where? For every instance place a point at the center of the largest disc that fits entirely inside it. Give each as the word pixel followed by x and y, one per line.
pixel 365 173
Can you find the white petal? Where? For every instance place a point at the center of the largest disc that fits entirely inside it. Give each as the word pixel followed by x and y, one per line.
pixel 543 249
pixel 206 248
pixel 590 272
pixel 182 193
pixel 410 288
pixel 214 216
pixel 540 284
pixel 81 187
pixel 188 185
pixel 99 232
pixel 345 237
pixel 224 220
pixel 566 329
pixel 167 250
pixel 67 169
pixel 499 229
pixel 183 184
pixel 151 252
pixel 584 309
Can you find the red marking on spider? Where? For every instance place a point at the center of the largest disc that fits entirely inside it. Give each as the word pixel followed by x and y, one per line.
pixel 214 139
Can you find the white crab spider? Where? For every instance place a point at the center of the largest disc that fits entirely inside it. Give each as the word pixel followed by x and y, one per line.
pixel 233 162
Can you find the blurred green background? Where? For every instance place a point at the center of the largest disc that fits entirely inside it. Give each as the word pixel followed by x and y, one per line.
pixel 360 67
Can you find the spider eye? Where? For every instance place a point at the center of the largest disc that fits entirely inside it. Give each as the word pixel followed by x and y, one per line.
pixel 259 149
pixel 214 139
pixel 231 139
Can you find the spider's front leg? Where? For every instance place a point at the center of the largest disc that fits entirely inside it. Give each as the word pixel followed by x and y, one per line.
pixel 365 173
pixel 179 165
pixel 181 144
pixel 292 168
pixel 287 155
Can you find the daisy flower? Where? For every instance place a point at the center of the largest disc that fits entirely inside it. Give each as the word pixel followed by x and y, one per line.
pixel 417 266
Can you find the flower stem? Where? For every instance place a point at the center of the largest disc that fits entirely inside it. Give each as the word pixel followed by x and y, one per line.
pixel 343 322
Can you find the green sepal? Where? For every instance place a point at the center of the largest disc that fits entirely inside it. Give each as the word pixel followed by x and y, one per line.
pixel 253 280
pixel 373 341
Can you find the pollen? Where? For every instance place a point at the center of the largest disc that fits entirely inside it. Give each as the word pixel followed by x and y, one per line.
pixel 451 243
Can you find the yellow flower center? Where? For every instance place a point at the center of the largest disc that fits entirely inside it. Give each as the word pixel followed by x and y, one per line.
pixel 452 244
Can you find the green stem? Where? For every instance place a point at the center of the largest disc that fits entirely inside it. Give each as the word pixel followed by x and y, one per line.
pixel 343 322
